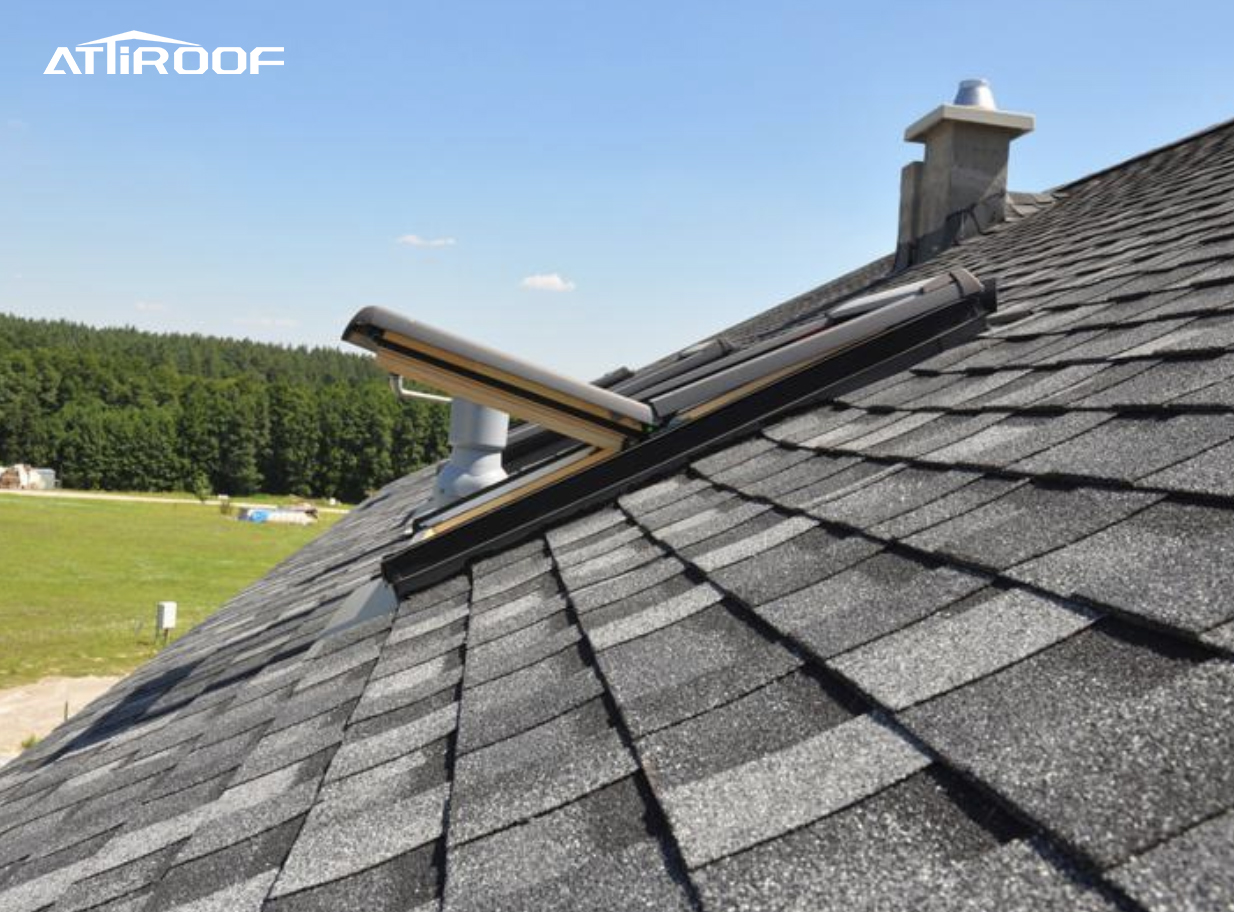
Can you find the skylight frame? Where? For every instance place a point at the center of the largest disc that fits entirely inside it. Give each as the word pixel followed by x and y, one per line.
pixel 497 380
pixel 888 344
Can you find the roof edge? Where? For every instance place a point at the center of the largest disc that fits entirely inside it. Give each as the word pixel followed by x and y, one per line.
pixel 1157 150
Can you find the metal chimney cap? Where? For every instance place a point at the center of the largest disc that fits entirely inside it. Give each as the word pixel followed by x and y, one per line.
pixel 976 93
pixel 974 104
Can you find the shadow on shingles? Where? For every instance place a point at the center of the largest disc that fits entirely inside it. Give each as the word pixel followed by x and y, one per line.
pixel 132 709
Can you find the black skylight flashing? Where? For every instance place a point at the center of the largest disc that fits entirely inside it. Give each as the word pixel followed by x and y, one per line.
pixel 528 444
pixel 644 382
pixel 850 322
pixel 866 361
pixel 527 474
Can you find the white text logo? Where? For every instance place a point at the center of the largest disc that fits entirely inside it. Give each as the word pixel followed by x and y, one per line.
pixel 188 59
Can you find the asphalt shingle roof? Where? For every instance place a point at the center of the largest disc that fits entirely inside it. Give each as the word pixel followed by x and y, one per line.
pixel 960 638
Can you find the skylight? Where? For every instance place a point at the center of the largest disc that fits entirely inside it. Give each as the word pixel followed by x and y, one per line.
pixel 712 397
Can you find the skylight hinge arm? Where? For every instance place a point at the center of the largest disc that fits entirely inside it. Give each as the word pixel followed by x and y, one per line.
pixel 400 390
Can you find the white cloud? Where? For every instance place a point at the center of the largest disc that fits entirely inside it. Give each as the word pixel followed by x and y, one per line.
pixel 149 307
pixel 550 281
pixel 414 240
pixel 264 322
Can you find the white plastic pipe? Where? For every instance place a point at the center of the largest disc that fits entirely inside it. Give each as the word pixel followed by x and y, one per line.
pixel 477 439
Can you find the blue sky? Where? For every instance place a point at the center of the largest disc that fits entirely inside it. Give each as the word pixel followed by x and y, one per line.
pixel 678 165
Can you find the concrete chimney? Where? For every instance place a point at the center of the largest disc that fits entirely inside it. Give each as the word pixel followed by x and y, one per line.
pixel 961 186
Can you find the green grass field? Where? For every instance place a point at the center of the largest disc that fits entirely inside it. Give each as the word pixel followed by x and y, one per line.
pixel 79 579
pixel 272 499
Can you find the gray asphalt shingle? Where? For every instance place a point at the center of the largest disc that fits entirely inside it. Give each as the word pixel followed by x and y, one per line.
pixel 1188 873
pixel 866 601
pixel 909 847
pixel 779 791
pixel 344 844
pixel 1107 744
pixel 975 637
pixel 1127 449
pixel 902 489
pixel 680 670
pixel 652 618
pixel 769 719
pixel 1028 521
pixel 792 565
pixel 1170 563
pixel 1014 438
pixel 1205 473
pixel 536 771
pixel 523 699
pixel 593 854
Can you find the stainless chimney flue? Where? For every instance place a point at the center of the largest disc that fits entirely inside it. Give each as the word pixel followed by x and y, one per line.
pixel 975 93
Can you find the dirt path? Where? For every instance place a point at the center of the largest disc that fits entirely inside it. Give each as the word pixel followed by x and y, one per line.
pixel 144 498
pixel 35 709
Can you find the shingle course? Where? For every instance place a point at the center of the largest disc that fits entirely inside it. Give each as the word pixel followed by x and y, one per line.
pixel 1028 521
pixel 536 771
pixel 1170 563
pixel 593 854
pixel 779 791
pixel 973 638
pixel 675 672
pixel 1105 742
pixel 870 599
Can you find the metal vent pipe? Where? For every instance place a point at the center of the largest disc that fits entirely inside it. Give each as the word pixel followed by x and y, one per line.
pixel 477 439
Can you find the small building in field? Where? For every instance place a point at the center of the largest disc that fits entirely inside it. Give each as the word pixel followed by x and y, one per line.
pixel 22 477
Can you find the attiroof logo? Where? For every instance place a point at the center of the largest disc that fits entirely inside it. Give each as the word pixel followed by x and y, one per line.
pixel 189 59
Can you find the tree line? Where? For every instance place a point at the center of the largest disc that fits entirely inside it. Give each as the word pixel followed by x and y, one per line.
pixel 122 409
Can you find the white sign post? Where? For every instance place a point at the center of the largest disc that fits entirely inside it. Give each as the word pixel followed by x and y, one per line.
pixel 165 619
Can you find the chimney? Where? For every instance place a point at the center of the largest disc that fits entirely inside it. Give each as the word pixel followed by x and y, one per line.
pixel 961 187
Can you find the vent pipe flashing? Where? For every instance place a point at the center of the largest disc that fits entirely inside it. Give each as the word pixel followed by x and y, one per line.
pixel 961 186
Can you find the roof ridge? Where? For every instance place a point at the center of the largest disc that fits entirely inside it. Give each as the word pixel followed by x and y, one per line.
pixel 1156 150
